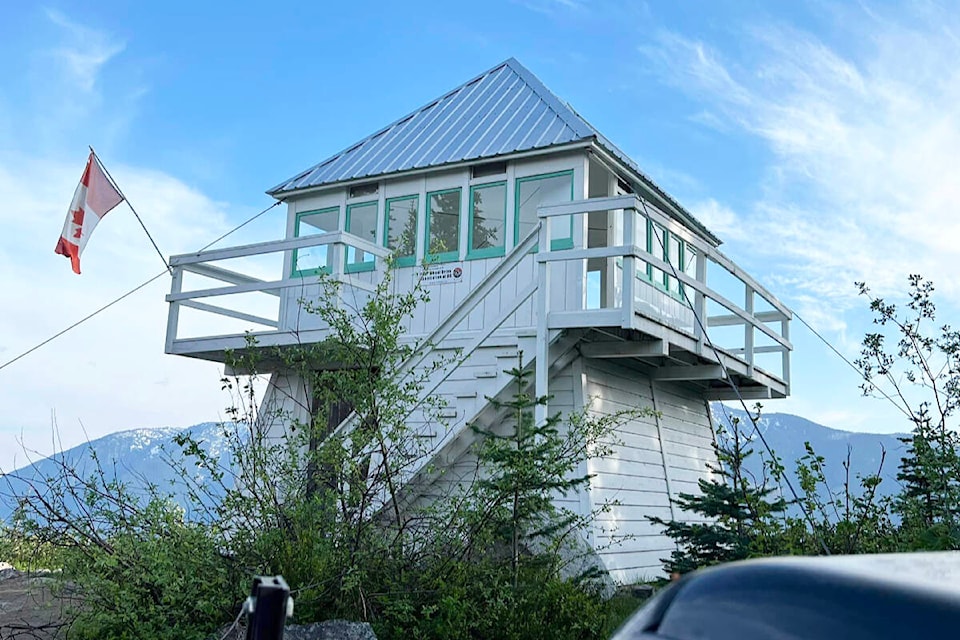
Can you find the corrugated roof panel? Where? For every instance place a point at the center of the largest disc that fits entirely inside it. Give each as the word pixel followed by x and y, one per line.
pixel 451 127
pixel 550 132
pixel 470 122
pixel 504 110
pixel 527 101
pixel 488 123
pixel 473 122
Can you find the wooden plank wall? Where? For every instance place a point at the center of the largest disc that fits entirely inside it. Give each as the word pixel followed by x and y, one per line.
pixel 654 458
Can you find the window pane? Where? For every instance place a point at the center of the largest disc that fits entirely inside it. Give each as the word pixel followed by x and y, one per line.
pixel 641 238
pixel 673 257
pixel 658 246
pixel 690 257
pixel 402 226
pixel 534 193
pixel 444 222
pixel 488 217
pixel 690 264
pixel 309 224
pixel 362 222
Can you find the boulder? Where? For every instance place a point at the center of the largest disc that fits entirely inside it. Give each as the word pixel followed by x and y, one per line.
pixel 327 630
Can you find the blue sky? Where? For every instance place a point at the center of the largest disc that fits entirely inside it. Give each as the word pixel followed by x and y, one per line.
pixel 817 139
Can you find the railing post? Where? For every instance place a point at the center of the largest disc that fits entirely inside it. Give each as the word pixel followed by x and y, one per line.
pixel 629 266
pixel 541 364
pixel 173 312
pixel 337 262
pixel 748 327
pixel 700 302
pixel 785 353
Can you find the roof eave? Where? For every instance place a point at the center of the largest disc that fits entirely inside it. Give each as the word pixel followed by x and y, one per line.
pixel 664 198
pixel 281 194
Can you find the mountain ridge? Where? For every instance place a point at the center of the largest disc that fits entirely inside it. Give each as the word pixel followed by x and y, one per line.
pixel 136 456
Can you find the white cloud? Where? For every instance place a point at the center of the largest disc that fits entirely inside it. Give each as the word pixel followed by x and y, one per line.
pixel 84 52
pixel 109 373
pixel 720 219
pixel 864 182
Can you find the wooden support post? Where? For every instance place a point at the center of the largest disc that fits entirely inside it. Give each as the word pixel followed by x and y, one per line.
pixel 173 312
pixel 700 303
pixel 748 329
pixel 629 266
pixel 337 263
pixel 541 365
pixel 785 357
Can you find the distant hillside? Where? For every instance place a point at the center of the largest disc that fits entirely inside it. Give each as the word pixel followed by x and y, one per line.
pixel 139 456
pixel 786 435
pixel 134 458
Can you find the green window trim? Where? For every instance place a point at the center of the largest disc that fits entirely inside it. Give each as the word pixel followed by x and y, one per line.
pixel 300 273
pixel 445 256
pixel 486 252
pixel 358 266
pixel 662 284
pixel 559 243
pixel 407 260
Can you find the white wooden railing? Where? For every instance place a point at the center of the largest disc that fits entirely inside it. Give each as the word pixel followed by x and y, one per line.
pixel 773 322
pixel 238 283
pixel 707 310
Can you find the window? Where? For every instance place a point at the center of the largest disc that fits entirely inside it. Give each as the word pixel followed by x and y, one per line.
pixel 361 222
pixel 536 191
pixel 400 235
pixel 488 220
pixel 689 263
pixel 641 233
pixel 312 260
pixel 360 190
pixel 658 245
pixel 671 249
pixel 674 256
pixel 443 226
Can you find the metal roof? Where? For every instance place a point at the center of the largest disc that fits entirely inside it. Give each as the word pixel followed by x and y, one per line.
pixel 503 111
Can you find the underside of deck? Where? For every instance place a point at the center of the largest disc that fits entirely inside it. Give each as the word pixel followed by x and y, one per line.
pixel 659 352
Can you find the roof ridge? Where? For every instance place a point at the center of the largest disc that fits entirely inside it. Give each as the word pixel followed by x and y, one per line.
pixel 566 113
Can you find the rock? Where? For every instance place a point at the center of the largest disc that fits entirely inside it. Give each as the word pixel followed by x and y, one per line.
pixel 330 630
pixel 641 591
pixel 327 630
pixel 7 571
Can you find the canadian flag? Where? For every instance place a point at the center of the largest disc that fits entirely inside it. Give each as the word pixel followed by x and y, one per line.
pixel 94 198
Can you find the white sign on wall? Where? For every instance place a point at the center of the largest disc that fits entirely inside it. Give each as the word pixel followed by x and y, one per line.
pixel 442 273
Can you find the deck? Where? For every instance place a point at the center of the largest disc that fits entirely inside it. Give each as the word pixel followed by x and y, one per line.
pixel 665 319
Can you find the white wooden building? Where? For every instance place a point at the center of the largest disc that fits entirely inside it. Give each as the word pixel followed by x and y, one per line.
pixel 540 235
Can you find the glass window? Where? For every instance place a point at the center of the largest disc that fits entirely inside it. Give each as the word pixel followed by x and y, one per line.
pixel 401 232
pixel 488 220
pixel 641 238
pixel 689 263
pixel 361 222
pixel 537 191
pixel 658 245
pixel 443 225
pixel 312 260
pixel 674 256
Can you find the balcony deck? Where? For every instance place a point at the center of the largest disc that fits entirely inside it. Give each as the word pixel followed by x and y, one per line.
pixel 673 325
